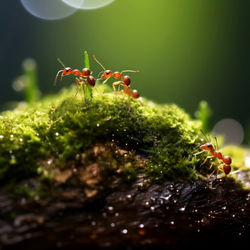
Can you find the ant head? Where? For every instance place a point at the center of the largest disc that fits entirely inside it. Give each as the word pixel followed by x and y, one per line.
pixel 66 71
pixel 85 72
pixel 227 160
pixel 135 94
pixel 106 74
pixel 126 80
pixel 91 81
pixel 208 146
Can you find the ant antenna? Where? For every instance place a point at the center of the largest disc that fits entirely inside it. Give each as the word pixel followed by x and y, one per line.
pixel 98 62
pixel 128 70
pixel 206 138
pixel 60 61
pixel 58 73
pixel 100 73
pixel 217 146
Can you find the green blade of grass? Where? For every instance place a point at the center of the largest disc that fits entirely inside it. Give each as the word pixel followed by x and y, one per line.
pixel 88 89
pixel 31 90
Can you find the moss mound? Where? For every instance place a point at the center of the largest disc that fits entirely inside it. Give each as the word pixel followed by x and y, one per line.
pixel 61 127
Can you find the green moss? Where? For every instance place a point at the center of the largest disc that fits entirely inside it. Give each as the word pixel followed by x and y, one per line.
pixel 61 127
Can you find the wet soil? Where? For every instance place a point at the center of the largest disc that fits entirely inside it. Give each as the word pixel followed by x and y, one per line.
pixel 138 215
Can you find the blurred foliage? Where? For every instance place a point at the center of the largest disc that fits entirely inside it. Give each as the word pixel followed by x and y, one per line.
pixel 204 115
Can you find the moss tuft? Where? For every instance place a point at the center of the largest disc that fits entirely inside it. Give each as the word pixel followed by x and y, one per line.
pixel 61 127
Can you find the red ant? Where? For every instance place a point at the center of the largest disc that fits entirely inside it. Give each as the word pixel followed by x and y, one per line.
pixel 225 161
pixel 125 80
pixel 84 76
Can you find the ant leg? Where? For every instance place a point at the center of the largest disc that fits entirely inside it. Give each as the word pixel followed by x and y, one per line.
pixel 208 157
pixel 200 152
pixel 103 84
pixel 215 170
pixel 77 86
pixel 114 84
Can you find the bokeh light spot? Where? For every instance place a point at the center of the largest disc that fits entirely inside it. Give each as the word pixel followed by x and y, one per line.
pixel 49 9
pixel 87 4
pixel 232 131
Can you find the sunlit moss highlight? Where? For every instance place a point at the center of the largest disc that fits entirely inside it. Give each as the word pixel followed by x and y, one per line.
pixel 60 127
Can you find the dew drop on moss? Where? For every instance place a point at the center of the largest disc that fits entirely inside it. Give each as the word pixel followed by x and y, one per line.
pixel 124 231
pixel 1 137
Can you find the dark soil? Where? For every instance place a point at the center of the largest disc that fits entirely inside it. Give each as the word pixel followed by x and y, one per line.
pixel 138 215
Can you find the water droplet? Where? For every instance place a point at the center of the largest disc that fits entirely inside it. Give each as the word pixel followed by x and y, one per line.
pixel 141 226
pixel 97 125
pixel 110 210
pixel 117 214
pixel 56 134
pixel 171 187
pixel 177 192
pixel 112 224
pixel 224 208
pixel 182 209
pixel 1 137
pixel 147 204
pixel 21 139
pixel 129 197
pixel 172 222
pixel 124 231
pixel 152 209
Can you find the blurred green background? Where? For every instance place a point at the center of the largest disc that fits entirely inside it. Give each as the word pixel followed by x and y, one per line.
pixel 186 50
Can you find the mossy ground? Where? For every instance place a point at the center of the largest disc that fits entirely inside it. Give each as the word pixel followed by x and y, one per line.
pixel 61 127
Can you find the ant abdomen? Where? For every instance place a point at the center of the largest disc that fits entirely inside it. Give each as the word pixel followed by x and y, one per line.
pixel 91 81
pixel 135 94
pixel 227 169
